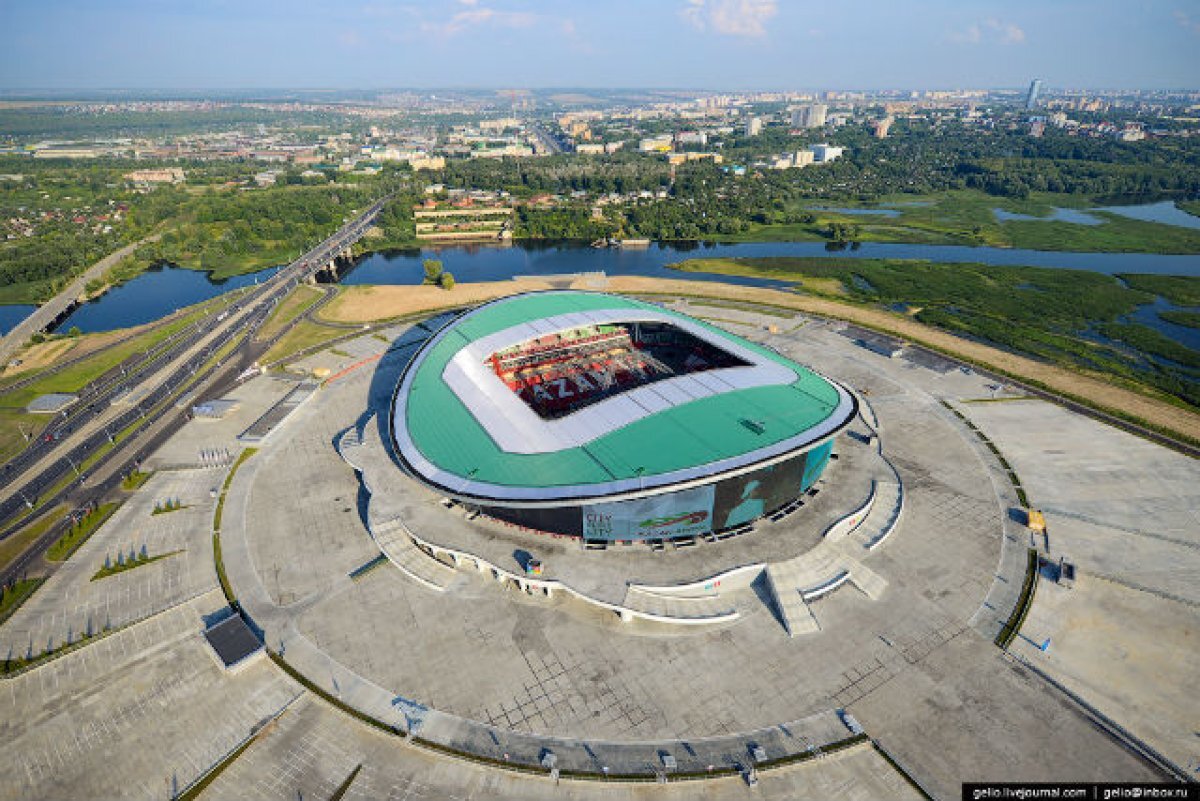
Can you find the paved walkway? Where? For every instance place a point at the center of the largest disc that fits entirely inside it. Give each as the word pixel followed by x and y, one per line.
pixel 278 624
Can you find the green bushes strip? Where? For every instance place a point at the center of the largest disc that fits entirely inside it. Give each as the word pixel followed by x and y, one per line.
pixel 242 457
pixel 196 788
pixel 14 667
pixel 230 598
pixel 1024 602
pixel 344 787
pixel 301 679
pixel 518 767
pixel 991 446
pixel 136 561
pixel 17 593
pixel 904 774
pixel 77 534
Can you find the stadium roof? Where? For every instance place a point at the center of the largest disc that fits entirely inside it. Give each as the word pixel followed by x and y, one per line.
pixel 459 427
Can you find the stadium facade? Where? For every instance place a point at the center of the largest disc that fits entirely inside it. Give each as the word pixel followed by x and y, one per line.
pixel 603 417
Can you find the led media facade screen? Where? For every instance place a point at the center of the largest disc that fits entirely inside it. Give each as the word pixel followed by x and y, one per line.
pixel 691 512
pixel 747 497
pixel 676 514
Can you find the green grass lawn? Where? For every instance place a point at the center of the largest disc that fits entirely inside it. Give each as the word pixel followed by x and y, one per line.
pixel 305 335
pixel 75 377
pixel 135 480
pixel 15 424
pixel 68 543
pixel 298 301
pixel 12 547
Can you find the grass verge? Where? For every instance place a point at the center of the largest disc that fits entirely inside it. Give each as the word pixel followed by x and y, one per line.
pixel 195 789
pixel 135 480
pixel 344 787
pixel 136 561
pixel 1024 601
pixel 297 302
pixel 242 457
pixel 303 336
pixel 301 679
pixel 904 774
pixel 15 594
pixel 13 546
pixel 78 533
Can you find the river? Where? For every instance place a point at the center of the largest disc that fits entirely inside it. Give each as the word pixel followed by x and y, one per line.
pixel 160 291
pixel 12 314
pixel 151 295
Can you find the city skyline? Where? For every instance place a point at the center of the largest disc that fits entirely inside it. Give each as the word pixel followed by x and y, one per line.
pixel 710 44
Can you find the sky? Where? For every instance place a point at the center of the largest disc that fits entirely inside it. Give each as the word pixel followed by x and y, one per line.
pixel 691 44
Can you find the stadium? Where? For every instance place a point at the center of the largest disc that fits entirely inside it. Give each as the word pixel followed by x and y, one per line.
pixel 602 417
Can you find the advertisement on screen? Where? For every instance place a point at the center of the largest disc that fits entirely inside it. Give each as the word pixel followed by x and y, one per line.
pixel 745 498
pixel 678 514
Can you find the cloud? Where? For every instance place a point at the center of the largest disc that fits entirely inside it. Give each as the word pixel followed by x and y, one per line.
pixel 1186 21
pixel 990 31
pixel 476 15
pixel 730 17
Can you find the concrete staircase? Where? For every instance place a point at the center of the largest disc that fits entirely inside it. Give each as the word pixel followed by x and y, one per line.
pixel 676 609
pixel 884 515
pixel 394 541
pixel 797 617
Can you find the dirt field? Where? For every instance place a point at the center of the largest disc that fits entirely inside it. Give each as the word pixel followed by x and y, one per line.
pixel 46 354
pixel 41 355
pixel 361 304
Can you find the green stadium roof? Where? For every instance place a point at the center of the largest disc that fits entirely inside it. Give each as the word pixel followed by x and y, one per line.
pixel 712 434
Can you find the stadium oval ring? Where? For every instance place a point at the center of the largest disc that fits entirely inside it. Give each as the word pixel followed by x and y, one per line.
pixel 588 414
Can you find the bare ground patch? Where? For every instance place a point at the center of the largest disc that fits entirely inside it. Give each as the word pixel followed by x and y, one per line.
pixel 363 304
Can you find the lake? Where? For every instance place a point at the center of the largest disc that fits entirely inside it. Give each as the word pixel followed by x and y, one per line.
pixel 11 315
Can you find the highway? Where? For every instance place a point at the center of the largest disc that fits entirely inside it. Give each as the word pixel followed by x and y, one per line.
pixel 547 141
pixel 77 451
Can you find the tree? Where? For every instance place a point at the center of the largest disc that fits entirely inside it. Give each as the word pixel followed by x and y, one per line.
pixel 446 281
pixel 433 271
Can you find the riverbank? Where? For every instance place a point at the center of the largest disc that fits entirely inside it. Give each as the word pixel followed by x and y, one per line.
pixel 81 286
pixel 365 304
pixel 971 218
